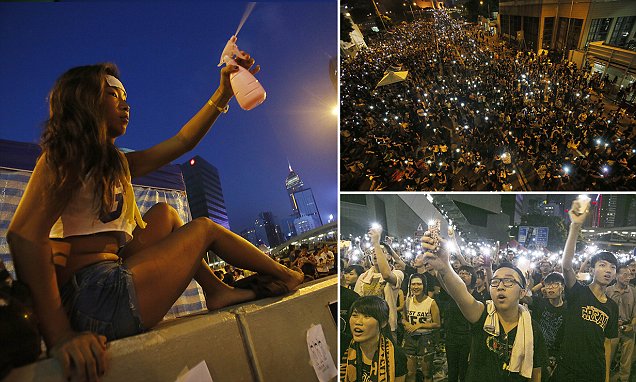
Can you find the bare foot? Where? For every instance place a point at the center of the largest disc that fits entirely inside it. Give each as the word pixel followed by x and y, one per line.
pixel 292 279
pixel 227 297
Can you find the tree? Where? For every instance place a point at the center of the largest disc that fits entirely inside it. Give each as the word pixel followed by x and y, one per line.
pixel 556 225
pixel 345 28
pixel 358 9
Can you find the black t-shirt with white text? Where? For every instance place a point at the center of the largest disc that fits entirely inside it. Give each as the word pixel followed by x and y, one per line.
pixel 490 355
pixel 587 323
pixel 550 319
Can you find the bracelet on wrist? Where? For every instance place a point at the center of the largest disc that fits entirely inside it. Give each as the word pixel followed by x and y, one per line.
pixel 221 110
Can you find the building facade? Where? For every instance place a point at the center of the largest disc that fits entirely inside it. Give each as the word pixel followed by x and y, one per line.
pixel 305 215
pixel 293 184
pixel 564 25
pixel 205 194
pixel 616 210
pixel 594 33
pixel 249 234
pixel 267 230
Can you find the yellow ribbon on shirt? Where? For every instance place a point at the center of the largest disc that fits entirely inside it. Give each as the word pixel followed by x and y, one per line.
pixel 132 215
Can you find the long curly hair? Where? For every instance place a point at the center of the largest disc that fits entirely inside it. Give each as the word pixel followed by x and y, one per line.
pixel 75 139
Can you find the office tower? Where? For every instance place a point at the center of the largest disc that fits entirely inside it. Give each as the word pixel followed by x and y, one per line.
pixel 293 184
pixel 616 210
pixel 250 235
pixel 267 230
pixel 205 194
pixel 305 215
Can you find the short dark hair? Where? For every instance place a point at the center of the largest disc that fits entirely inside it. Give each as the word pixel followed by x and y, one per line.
pixel 506 264
pixel 359 269
pixel 372 306
pixel 554 277
pixel 421 277
pixel 619 267
pixel 471 270
pixel 603 255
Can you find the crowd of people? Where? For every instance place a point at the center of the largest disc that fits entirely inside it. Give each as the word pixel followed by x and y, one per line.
pixel 486 318
pixel 315 261
pixel 475 114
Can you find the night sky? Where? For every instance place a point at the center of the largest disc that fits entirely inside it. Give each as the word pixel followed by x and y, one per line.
pixel 167 53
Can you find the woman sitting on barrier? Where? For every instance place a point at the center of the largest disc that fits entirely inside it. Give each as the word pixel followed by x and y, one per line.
pixel 371 355
pixel 97 270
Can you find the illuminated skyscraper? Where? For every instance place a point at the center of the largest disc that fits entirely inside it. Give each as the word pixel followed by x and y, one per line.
pixel 250 235
pixel 305 212
pixel 205 194
pixel 293 184
pixel 616 210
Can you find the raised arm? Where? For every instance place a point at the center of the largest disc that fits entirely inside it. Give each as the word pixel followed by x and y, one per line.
pixel 398 260
pixel 488 267
pixel 145 161
pixel 584 264
pixel 29 244
pixel 458 251
pixel 383 263
pixel 437 258
pixel 576 222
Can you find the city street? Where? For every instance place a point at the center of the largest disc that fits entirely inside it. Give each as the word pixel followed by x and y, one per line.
pixel 475 114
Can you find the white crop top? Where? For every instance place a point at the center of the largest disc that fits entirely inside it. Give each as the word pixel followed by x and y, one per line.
pixel 419 312
pixel 79 216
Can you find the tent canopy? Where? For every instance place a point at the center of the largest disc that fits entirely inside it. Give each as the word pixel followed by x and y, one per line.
pixel 391 77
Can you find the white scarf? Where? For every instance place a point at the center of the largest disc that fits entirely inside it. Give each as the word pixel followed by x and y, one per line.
pixel 523 348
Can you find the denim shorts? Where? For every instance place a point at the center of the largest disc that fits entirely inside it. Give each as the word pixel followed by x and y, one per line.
pixel 418 344
pixel 101 298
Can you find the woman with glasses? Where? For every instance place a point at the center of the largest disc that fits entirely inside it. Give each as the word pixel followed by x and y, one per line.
pixel 506 345
pixel 421 316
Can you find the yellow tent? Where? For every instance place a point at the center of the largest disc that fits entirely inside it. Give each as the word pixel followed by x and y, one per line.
pixel 392 77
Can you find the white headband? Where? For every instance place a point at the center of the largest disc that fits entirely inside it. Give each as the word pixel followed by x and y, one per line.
pixel 114 82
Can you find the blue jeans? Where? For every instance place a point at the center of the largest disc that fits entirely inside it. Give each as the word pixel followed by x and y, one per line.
pixel 101 298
